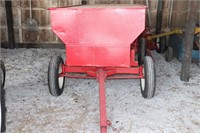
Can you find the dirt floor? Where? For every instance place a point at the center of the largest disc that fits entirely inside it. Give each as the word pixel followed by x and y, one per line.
pixel 31 108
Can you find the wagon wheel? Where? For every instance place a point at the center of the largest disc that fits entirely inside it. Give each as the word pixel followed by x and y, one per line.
pixel 2 92
pixel 161 44
pixel 141 50
pixel 169 54
pixel 56 83
pixel 148 83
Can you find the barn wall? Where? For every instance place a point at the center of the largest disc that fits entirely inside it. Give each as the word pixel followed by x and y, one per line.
pixel 41 14
pixel 23 34
pixel 179 13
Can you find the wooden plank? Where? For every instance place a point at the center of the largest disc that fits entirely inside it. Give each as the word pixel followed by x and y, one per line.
pixel 92 2
pixel 179 19
pixel 45 4
pixel 153 4
pixel 3 35
pixel 15 17
pixel 181 5
pixel 165 20
pixel 42 17
pixel 41 36
pixel 198 19
pixel 2 16
pixel 16 32
pixel 188 42
pixel 1 3
pixel 53 3
pixel 36 3
pixel 46 36
pixel 40 4
pixel 15 3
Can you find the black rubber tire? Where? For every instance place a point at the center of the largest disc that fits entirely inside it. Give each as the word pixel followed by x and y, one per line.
pixel 148 83
pixel 3 111
pixel 53 76
pixel 169 54
pixel 161 44
pixel 3 76
pixel 142 44
pixel 2 97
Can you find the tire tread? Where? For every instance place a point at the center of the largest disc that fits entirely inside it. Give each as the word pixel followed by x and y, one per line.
pixel 53 76
pixel 150 78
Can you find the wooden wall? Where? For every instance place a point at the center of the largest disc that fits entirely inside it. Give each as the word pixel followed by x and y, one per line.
pixel 41 14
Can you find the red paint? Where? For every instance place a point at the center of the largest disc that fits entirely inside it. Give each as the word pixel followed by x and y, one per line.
pixel 102 100
pixel 98 36
pixel 151 44
pixel 100 43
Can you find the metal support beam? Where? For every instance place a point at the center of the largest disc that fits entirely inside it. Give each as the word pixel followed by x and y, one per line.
pixel 102 101
pixel 188 42
pixel 9 18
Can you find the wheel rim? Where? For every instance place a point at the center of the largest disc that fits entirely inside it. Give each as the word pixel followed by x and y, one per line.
pixel 143 80
pixel 158 43
pixel 60 79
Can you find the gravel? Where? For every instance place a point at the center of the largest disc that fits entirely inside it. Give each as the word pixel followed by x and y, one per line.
pixel 31 109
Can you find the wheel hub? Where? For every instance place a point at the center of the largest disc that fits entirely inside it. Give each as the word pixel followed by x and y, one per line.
pixel 143 80
pixel 158 43
pixel 60 79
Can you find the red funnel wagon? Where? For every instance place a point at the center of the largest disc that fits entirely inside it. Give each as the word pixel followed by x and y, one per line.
pixel 101 42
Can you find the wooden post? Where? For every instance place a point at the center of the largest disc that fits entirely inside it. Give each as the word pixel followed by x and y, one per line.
pixel 84 2
pixel 188 42
pixel 159 16
pixel 9 18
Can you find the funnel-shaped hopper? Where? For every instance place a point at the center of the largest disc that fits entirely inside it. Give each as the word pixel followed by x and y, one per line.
pixel 98 35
